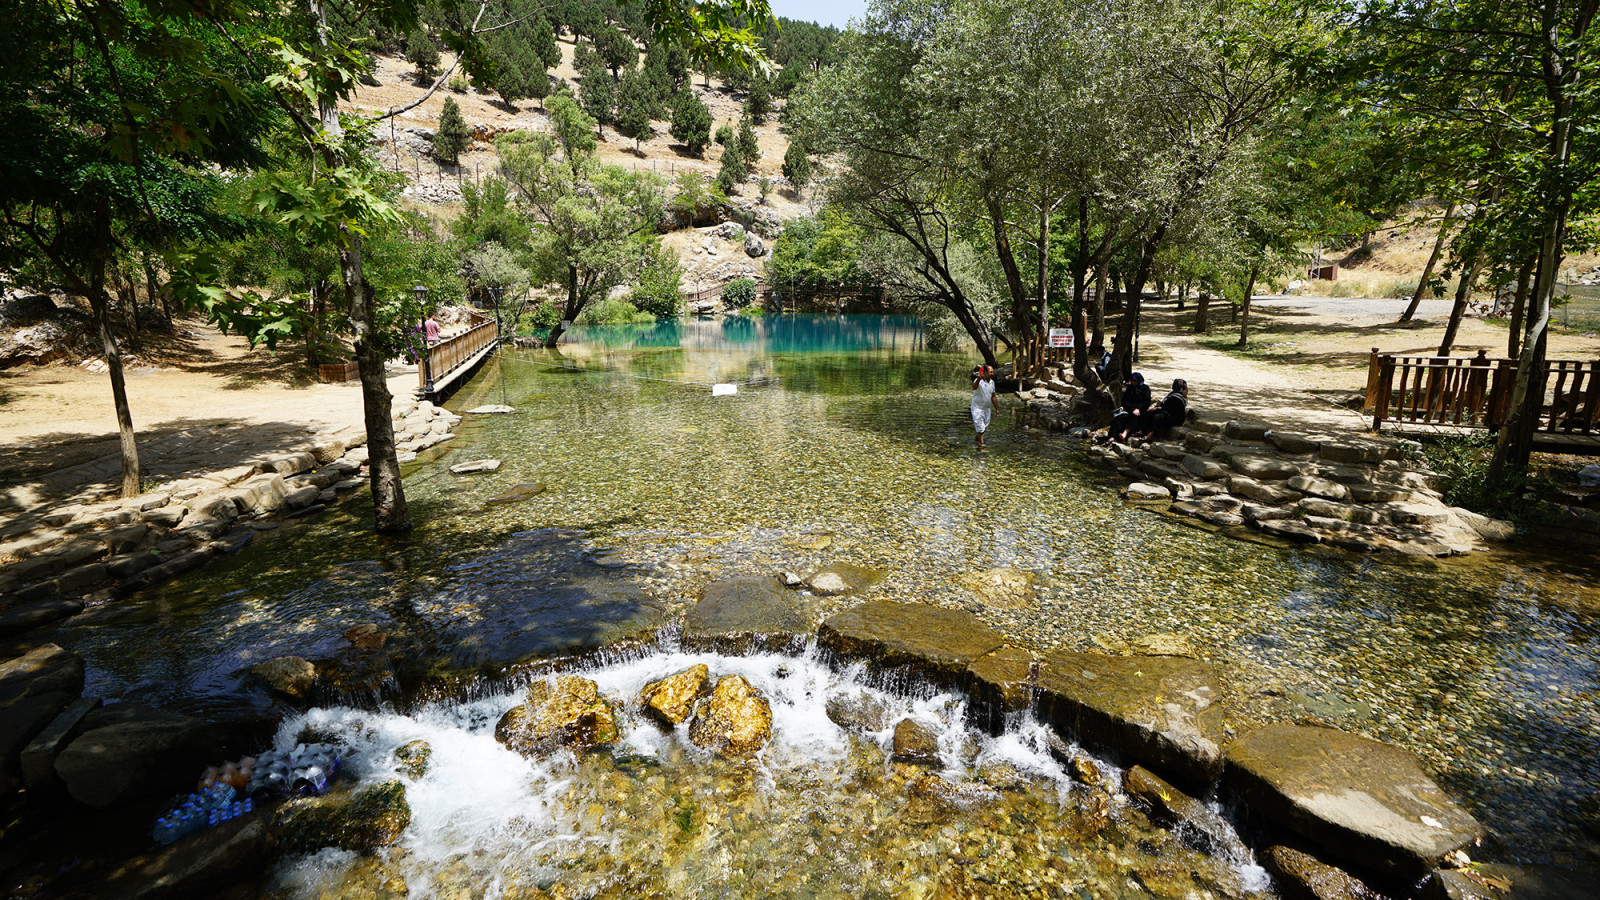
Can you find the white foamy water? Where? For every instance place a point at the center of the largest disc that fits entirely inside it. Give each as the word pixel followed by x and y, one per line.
pixel 821 807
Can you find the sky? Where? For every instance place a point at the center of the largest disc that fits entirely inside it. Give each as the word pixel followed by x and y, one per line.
pixel 824 12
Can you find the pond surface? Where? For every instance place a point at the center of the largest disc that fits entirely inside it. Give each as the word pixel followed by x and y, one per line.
pixel 846 442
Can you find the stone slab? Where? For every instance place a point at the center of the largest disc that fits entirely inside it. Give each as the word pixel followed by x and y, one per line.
pixel 746 612
pixel 1362 800
pixel 1000 682
pixel 19 619
pixel 127 751
pixel 910 639
pixel 39 757
pixel 40 670
pixel 1161 712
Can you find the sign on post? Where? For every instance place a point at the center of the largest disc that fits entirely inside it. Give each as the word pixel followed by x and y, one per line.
pixel 1061 337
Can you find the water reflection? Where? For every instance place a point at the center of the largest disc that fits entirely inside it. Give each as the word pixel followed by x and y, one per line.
pixel 1488 668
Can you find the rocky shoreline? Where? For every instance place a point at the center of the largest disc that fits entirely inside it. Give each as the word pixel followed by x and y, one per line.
pixel 55 561
pixel 1333 815
pixel 1248 478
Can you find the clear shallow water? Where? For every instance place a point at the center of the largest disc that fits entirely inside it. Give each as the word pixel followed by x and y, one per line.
pixel 855 446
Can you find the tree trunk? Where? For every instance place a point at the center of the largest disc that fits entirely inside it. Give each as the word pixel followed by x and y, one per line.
pixel 1044 267
pixel 100 303
pixel 1469 275
pixel 1132 296
pixel 1099 320
pixel 389 511
pixel 1427 270
pixel 1008 264
pixel 571 313
pixel 1244 311
pixel 1518 305
pixel 1202 312
pixel 152 288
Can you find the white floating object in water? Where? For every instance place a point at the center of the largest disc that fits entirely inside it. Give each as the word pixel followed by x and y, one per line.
pixel 723 390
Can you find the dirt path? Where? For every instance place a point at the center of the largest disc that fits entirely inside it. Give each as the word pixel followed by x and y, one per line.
pixel 200 400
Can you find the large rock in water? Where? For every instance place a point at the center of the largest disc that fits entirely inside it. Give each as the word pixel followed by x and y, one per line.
pixel 195 867
pixel 734 720
pixel 290 676
pixel 912 639
pixel 745 613
pixel 128 751
pixel 671 700
pixel 45 669
pixel 372 818
pixel 1160 711
pixel 1363 800
pixel 1301 876
pixel 843 578
pixel 572 714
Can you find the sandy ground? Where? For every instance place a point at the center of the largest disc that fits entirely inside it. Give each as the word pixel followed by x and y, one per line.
pixel 201 398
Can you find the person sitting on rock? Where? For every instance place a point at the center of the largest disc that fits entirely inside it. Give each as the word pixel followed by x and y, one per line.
pixel 1171 412
pixel 1129 418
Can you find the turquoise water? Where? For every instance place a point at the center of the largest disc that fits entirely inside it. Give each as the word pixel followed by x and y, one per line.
pixel 847 442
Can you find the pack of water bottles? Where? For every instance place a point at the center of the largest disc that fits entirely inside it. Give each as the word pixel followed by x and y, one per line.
pixel 307 769
pixel 202 809
pixel 229 791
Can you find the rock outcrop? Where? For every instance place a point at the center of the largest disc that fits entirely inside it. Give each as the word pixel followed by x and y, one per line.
pixel 671 701
pixel 746 613
pixel 734 720
pixel 572 714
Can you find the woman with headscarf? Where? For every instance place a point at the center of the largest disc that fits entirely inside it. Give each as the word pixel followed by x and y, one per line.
pixel 1135 405
pixel 1171 412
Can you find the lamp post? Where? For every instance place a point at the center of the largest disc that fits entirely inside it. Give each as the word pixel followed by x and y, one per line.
pixel 495 292
pixel 427 349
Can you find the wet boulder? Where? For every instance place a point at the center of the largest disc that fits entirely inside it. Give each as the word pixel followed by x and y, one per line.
pixel 1300 876
pixel 1363 800
pixel 518 493
pixel 1174 807
pixel 915 743
pixel 671 700
pixel 367 636
pixel 734 720
pixel 196 867
pixel 45 669
pixel 1003 587
pixel 364 822
pixel 745 613
pixel 1159 711
pixel 572 714
pixel 290 676
pixel 859 711
pixel 412 758
pixel 844 578
pixel 912 639
pixel 129 751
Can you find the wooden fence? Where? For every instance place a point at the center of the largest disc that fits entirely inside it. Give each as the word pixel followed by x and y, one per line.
pixel 453 356
pixel 1475 392
pixel 1034 354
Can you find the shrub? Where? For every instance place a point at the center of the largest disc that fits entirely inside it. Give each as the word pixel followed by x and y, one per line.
pixel 1464 462
pixel 724 134
pixel 1344 289
pixel 658 287
pixel 422 53
pixel 697 198
pixel 1400 289
pixel 458 84
pixel 541 317
pixel 612 311
pixel 766 188
pixel 453 134
pixel 691 122
pixel 739 293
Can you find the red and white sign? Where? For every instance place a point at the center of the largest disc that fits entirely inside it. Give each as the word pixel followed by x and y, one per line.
pixel 1061 337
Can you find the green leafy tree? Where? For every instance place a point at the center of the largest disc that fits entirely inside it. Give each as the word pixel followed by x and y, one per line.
pixel 573 128
pixel 749 149
pixel 739 293
pixel 591 218
pixel 598 93
pixel 691 123
pixel 797 165
pixel 617 51
pixel 453 134
pixel 732 171
pixel 658 285
pixel 760 103
pixel 422 52
pixel 542 39
pixel 697 198
pixel 636 107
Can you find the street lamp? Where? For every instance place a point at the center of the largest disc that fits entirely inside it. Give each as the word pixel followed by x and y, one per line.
pixel 495 291
pixel 427 350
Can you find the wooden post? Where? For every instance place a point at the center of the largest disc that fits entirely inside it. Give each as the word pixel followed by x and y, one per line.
pixel 1477 382
pixel 1374 374
pixel 1385 386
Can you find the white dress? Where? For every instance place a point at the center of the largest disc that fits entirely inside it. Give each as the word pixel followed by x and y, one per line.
pixel 982 405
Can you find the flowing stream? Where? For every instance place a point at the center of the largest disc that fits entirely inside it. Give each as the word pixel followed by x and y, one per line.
pixel 846 442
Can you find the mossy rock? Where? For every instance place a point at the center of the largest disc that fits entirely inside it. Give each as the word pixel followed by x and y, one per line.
pixel 371 818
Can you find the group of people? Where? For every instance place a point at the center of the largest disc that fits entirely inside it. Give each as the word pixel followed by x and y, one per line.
pixel 1136 417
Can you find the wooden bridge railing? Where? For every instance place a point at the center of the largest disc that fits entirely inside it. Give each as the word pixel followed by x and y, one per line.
pixel 1475 392
pixel 445 359
pixel 1034 354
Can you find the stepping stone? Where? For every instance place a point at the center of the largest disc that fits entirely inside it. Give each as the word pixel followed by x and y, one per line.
pixel 1293 443
pixel 473 468
pixel 18 619
pixel 518 492
pixel 919 641
pixel 1319 487
pixel 492 409
pixel 1159 711
pixel 736 615
pixel 1142 491
pixel 843 578
pixel 1363 800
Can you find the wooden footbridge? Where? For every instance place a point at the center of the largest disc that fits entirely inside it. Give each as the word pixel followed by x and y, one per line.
pixel 1453 394
pixel 451 361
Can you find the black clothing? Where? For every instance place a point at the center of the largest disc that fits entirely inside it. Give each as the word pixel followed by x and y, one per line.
pixel 1136 396
pixel 1170 413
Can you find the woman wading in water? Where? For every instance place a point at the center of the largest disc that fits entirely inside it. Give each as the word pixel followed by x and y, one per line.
pixel 982 399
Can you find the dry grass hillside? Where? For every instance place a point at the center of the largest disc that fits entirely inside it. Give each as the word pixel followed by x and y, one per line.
pixel 434 182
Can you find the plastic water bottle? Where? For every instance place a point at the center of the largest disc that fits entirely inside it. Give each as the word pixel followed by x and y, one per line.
pixel 249 805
